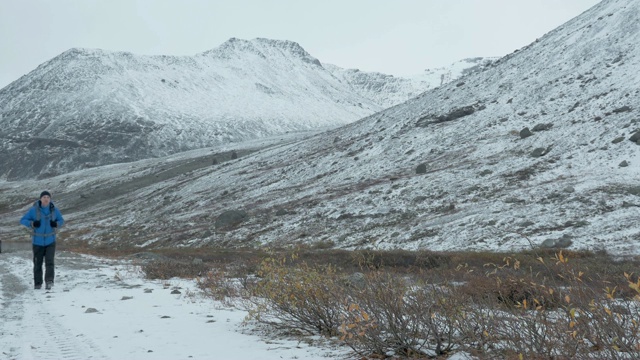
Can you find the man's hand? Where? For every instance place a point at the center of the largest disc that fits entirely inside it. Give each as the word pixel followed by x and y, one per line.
pixel 36 224
pixel 53 223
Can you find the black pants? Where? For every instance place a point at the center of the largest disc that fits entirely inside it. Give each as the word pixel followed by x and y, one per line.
pixel 45 253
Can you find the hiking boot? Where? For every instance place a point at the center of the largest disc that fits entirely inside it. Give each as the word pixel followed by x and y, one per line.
pixel 49 286
pixel 37 286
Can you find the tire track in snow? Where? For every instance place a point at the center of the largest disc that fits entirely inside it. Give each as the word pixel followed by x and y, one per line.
pixel 32 329
pixel 11 308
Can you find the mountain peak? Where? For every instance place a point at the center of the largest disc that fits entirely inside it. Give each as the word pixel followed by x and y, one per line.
pixel 262 47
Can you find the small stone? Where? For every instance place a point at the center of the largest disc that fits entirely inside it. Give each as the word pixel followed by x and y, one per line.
pixel 525 133
pixel 538 152
pixel 127 298
pixel 176 292
pixel 623 164
pixel 90 311
pixel 542 127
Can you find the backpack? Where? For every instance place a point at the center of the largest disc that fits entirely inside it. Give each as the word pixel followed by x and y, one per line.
pixel 39 215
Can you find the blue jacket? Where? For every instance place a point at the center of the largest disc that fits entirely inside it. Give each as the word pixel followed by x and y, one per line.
pixel 44 234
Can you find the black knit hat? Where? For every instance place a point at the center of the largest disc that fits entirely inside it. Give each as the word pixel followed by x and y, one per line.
pixel 45 193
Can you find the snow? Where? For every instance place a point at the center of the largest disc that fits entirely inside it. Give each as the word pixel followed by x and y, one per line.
pixel 96 107
pixel 135 318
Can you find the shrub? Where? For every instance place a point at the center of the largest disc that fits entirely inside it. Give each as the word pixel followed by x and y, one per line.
pixel 536 305
pixel 303 297
pixel 390 316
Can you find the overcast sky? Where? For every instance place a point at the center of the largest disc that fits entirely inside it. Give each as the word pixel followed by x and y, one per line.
pixel 398 37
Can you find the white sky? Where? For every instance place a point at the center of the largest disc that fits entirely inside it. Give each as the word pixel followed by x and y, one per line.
pixel 399 37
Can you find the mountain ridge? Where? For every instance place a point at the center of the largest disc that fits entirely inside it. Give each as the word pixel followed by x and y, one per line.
pixel 99 107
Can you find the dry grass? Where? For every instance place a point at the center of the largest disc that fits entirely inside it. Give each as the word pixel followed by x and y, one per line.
pixel 533 304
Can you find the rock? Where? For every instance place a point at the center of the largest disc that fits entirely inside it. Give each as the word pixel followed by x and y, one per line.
pixel 622 109
pixel 356 280
pixel 281 212
pixel 563 242
pixel 525 133
pixel 623 164
pixel 230 219
pixel 569 189
pixel 419 199
pixel 91 311
pixel 633 190
pixel 542 127
pixel 421 169
pixel 176 292
pixel 127 298
pixel 635 137
pixel 538 152
pixel 617 140
pixel 526 223
pixel 452 115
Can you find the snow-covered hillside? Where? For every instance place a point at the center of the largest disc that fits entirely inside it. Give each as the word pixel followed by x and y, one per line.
pixel 387 90
pixel 538 148
pixel 87 108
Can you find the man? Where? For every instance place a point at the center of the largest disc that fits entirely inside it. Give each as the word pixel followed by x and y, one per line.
pixel 43 220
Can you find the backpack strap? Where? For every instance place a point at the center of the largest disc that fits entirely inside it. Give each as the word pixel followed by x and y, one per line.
pixel 37 206
pixel 39 215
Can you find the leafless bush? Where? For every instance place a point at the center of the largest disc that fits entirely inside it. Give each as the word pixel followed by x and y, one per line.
pixel 391 316
pixel 302 297
pixel 216 285
pixel 535 305
pixel 553 315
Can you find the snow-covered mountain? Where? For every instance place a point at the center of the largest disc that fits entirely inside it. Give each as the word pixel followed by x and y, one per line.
pixel 87 108
pixel 388 90
pixel 540 148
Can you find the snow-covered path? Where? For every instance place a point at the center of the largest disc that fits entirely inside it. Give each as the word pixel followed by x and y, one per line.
pixel 103 309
